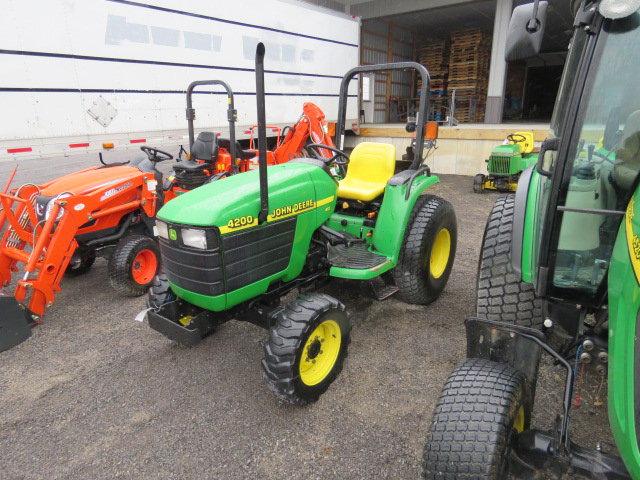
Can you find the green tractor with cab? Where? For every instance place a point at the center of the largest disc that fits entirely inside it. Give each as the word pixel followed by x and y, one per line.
pixel 559 273
pixel 506 163
pixel 232 249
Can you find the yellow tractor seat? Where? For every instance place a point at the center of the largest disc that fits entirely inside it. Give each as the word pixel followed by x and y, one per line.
pixel 371 165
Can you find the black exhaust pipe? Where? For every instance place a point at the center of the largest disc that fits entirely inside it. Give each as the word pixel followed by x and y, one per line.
pixel 262 135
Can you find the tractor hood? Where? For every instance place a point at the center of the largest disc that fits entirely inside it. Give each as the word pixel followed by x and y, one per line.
pixel 234 202
pixel 85 181
pixel 506 150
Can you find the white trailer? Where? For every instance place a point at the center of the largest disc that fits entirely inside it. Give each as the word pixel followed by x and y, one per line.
pixel 80 73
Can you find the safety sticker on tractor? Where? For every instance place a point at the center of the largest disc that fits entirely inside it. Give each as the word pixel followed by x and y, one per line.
pixel 633 242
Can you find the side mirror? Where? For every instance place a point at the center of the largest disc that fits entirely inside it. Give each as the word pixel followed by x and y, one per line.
pixel 410 127
pixel 526 29
pixel 547 156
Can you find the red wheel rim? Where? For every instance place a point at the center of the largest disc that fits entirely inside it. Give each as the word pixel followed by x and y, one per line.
pixel 144 266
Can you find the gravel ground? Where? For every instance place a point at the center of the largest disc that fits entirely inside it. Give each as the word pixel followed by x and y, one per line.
pixel 94 394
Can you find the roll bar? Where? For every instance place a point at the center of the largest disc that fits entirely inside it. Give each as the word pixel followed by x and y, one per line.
pixel 231 115
pixel 423 105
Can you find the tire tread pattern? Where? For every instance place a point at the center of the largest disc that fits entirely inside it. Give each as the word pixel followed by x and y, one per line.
pixel 408 275
pixel 472 422
pixel 120 264
pixel 160 292
pixel 286 336
pixel 501 296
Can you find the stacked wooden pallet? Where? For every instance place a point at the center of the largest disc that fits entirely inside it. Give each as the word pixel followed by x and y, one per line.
pixel 469 73
pixel 434 54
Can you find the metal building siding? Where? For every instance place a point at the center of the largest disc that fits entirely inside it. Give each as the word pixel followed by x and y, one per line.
pixel 375 49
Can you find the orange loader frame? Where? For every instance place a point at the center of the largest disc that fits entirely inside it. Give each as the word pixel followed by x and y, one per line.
pixel 100 206
pixel 46 247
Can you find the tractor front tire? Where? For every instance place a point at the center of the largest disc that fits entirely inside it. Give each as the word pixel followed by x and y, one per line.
pixel 478 183
pixel 133 265
pixel 160 292
pixel 306 349
pixel 428 251
pixel 480 409
pixel 501 296
pixel 81 262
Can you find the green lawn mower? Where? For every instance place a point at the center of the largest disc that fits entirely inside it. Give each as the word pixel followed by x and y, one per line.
pixel 506 163
pixel 559 274
pixel 233 248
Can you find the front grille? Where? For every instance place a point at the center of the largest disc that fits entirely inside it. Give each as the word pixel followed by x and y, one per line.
pixel 198 271
pixel 257 253
pixel 232 261
pixel 499 164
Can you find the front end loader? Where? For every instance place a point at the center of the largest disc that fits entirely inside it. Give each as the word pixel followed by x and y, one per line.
pixel 234 249
pixel 59 227
pixel 559 275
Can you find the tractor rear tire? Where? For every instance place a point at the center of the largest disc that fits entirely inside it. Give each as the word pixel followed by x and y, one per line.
pixel 501 296
pixel 428 251
pixel 160 292
pixel 306 349
pixel 481 406
pixel 81 262
pixel 133 265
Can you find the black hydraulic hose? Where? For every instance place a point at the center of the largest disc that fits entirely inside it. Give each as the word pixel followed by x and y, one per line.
pixel 111 238
pixel 262 134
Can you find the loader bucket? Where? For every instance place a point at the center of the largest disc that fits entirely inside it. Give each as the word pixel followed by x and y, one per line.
pixel 14 327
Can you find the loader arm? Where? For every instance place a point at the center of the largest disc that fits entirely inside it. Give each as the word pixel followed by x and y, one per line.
pixel 311 127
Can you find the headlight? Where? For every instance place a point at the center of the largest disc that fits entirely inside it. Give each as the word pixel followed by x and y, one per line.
pixel 47 213
pixel 195 238
pixel 162 230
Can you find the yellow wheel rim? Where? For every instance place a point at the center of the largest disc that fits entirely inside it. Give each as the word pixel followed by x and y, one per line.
pixel 440 250
pixel 518 423
pixel 320 352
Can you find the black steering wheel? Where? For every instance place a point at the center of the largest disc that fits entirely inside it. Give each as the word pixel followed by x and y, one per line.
pixel 156 155
pixel 516 137
pixel 340 158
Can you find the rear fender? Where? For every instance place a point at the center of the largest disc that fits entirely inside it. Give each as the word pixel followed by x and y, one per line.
pixel 525 224
pixel 395 213
pixel 624 344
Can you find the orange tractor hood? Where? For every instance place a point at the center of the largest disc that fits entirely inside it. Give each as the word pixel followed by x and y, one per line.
pixel 86 181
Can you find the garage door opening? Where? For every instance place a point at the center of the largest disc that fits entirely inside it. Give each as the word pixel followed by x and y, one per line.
pixel 455 43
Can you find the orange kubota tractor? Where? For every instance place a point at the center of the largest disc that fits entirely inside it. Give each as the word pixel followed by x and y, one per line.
pixel 60 227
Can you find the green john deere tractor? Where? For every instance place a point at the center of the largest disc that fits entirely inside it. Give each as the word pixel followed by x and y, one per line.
pixel 233 248
pixel 559 272
pixel 506 163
